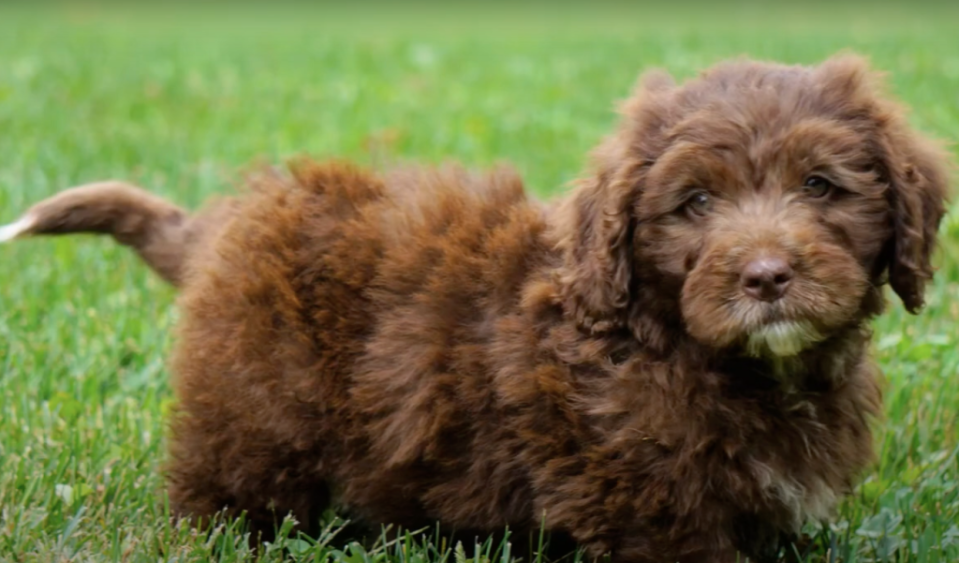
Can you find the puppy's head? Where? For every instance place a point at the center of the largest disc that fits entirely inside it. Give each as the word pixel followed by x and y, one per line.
pixel 766 205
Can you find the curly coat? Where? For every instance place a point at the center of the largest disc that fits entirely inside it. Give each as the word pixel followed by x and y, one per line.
pixel 431 344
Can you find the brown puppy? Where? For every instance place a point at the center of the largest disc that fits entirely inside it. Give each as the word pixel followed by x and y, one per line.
pixel 671 364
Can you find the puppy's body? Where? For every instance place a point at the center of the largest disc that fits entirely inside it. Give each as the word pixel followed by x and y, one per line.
pixel 431 345
pixel 408 354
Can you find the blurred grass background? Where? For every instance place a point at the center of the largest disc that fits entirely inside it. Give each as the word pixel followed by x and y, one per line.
pixel 182 99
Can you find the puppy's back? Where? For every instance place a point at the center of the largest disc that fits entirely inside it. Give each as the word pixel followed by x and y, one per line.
pixel 309 332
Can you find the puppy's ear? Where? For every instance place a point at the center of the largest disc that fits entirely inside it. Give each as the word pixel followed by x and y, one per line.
pixel 915 169
pixel 918 174
pixel 595 224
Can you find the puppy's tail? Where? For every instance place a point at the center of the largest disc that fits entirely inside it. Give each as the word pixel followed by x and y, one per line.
pixel 160 232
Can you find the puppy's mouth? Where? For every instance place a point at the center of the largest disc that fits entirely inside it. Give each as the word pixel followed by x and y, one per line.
pixel 782 338
pixel 721 316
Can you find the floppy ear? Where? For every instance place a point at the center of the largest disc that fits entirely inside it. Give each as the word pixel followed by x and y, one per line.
pixel 596 223
pixel 918 175
pixel 596 244
pixel 915 169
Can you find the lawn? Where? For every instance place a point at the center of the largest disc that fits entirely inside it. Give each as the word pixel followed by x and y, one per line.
pixel 182 102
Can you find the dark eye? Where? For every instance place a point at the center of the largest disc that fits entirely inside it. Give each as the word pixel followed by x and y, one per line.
pixel 817 187
pixel 699 203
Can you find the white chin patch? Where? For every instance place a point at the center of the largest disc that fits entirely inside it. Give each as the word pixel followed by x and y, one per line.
pixel 13 230
pixel 786 338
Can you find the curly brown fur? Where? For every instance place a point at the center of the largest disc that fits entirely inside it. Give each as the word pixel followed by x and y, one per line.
pixel 669 365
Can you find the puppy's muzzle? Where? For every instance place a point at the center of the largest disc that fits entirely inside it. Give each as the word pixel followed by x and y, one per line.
pixel 766 278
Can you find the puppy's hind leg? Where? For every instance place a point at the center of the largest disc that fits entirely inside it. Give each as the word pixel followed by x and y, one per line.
pixel 160 232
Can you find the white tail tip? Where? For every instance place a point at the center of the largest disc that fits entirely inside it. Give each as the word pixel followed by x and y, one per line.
pixel 17 228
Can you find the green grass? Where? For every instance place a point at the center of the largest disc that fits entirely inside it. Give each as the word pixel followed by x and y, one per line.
pixel 181 103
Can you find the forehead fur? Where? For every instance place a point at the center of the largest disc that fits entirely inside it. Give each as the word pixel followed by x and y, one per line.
pixel 745 97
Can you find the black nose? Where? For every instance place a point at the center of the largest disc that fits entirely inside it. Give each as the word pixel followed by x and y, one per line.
pixel 767 278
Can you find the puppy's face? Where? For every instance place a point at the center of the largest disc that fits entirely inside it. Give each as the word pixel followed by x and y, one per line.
pixel 772 201
pixel 770 214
